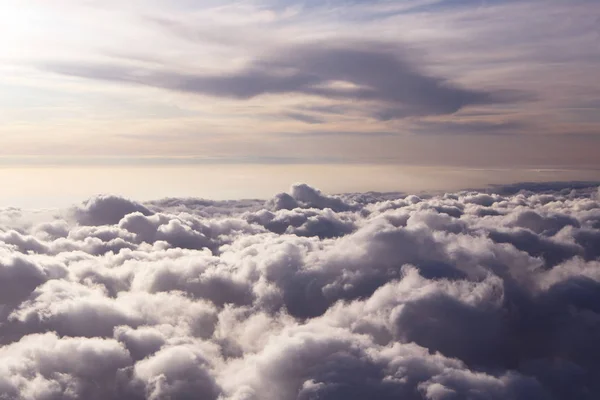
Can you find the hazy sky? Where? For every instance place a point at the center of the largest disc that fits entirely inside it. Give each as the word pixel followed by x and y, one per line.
pixel 454 82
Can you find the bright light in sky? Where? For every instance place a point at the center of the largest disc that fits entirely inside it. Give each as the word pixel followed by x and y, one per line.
pixel 16 28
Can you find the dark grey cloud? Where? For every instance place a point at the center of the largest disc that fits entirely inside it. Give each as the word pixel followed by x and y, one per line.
pixel 329 109
pixel 303 117
pixel 467 295
pixel 373 72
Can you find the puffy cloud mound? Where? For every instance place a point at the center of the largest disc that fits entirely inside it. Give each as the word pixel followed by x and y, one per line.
pixel 106 210
pixel 467 295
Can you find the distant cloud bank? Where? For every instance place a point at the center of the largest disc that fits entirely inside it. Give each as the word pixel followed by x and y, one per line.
pixel 467 295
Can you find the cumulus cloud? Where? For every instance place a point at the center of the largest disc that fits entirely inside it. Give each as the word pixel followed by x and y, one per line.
pixel 467 295
pixel 106 210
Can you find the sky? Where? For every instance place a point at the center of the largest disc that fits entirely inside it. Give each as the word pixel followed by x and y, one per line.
pixel 443 83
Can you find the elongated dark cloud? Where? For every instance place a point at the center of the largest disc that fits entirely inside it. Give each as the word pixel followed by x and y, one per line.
pixel 467 295
pixel 470 128
pixel 371 72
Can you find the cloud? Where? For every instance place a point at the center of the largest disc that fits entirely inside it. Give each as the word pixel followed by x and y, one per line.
pixel 303 117
pixel 235 67
pixel 359 71
pixel 107 210
pixel 44 366
pixel 474 294
pixel 469 128
pixel 176 372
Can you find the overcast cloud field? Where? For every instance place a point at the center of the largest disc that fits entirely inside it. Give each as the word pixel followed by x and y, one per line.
pixel 467 295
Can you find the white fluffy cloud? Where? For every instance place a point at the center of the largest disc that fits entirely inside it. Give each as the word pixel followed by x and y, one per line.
pixel 466 295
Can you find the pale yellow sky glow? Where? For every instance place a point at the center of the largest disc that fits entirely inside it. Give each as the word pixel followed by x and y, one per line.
pixel 509 84
pixel 50 187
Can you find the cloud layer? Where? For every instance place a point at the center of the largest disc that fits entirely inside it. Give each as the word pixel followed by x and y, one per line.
pixel 231 81
pixel 358 71
pixel 468 295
